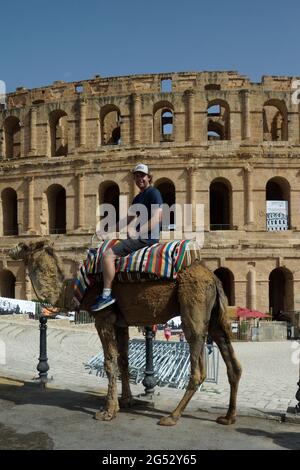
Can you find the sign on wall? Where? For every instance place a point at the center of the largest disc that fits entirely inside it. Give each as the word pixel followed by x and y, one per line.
pixel 11 306
pixel 277 215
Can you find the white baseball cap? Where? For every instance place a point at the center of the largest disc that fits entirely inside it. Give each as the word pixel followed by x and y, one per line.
pixel 142 168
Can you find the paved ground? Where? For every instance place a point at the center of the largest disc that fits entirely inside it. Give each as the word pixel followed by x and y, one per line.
pixel 61 416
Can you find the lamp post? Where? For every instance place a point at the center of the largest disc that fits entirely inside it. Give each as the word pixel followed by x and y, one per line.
pixel 43 365
pixel 149 381
pixel 297 408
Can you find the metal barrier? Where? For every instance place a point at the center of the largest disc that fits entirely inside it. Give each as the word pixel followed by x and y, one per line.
pixel 83 317
pixel 171 363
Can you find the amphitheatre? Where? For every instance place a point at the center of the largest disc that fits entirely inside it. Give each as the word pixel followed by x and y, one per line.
pixel 211 138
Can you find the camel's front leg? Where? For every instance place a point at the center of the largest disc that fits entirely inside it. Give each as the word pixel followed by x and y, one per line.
pixel 107 336
pixel 126 400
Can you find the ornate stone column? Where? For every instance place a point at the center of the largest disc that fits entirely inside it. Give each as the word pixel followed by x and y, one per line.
pixel 28 288
pixel 251 281
pixel 134 190
pixel 190 116
pixel 136 117
pixel 81 208
pixel 82 123
pixel 2 142
pixel 192 194
pixel 30 202
pixel 246 114
pixel 33 130
pixel 22 140
pixel 248 176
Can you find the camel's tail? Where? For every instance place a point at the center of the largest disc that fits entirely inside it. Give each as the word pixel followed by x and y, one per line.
pixel 219 312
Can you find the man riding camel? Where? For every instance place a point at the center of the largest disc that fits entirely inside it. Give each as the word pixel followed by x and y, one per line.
pixel 146 235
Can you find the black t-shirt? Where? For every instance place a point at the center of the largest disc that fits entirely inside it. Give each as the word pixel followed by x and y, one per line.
pixel 151 196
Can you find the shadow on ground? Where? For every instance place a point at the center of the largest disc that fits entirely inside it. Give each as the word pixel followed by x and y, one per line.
pixel 288 440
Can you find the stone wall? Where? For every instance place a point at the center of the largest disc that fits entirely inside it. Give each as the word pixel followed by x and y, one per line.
pixel 211 127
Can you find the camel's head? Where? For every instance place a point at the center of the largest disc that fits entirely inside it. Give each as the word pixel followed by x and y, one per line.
pixel 23 250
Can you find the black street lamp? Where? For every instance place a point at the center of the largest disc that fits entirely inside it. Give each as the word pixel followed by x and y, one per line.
pixel 43 365
pixel 149 381
pixel 297 408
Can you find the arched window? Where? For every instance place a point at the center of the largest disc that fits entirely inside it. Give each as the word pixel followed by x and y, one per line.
pixel 7 284
pixel 56 197
pixel 163 122
pixel 281 291
pixel 12 131
pixel 220 204
pixel 218 120
pixel 109 193
pixel 227 279
pixel 168 193
pixel 58 121
pixel 275 121
pixel 10 212
pixel 110 123
pixel 277 204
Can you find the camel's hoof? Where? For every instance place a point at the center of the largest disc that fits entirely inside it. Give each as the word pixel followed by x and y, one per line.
pixel 127 402
pixel 104 415
pixel 225 420
pixel 168 421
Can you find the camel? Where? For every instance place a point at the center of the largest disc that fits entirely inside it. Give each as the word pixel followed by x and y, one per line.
pixel 196 293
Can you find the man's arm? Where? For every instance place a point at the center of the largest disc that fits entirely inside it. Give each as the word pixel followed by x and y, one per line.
pixel 124 222
pixel 156 218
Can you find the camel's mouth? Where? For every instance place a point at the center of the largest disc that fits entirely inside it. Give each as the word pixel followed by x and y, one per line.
pixel 16 252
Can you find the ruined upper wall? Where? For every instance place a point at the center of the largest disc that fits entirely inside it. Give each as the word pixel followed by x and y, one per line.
pixel 143 84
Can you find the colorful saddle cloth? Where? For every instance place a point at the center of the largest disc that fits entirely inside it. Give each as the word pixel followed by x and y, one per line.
pixel 161 260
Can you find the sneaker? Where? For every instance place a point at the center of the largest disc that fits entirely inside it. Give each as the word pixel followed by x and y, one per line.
pixel 102 303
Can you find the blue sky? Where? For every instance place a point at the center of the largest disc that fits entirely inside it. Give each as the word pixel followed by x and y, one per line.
pixel 73 40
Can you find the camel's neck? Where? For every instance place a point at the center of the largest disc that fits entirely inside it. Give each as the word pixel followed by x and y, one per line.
pixel 47 277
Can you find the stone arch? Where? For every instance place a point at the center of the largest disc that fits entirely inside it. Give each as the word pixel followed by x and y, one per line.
pixel 168 193
pixel 56 202
pixel 12 136
pixel 110 125
pixel 278 199
pixel 227 278
pixel 220 204
pixel 218 120
pixel 163 121
pixel 58 122
pixel 9 200
pixel 275 120
pixel 281 291
pixel 109 193
pixel 7 284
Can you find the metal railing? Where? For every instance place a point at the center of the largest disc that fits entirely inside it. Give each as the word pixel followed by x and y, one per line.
pixel 171 362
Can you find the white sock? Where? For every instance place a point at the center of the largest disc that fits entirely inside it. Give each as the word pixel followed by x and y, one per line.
pixel 106 293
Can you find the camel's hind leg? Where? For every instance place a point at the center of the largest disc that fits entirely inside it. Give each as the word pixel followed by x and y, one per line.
pixel 195 335
pixel 234 370
pixel 122 335
pixel 107 336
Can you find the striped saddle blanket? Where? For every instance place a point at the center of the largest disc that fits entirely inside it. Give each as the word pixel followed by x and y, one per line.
pixel 161 260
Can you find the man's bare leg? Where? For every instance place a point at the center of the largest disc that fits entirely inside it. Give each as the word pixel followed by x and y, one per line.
pixel 109 270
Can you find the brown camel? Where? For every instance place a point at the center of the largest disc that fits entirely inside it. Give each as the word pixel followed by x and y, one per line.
pixel 197 294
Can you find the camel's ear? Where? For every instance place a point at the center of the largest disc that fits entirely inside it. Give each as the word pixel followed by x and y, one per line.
pixel 33 246
pixel 49 250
